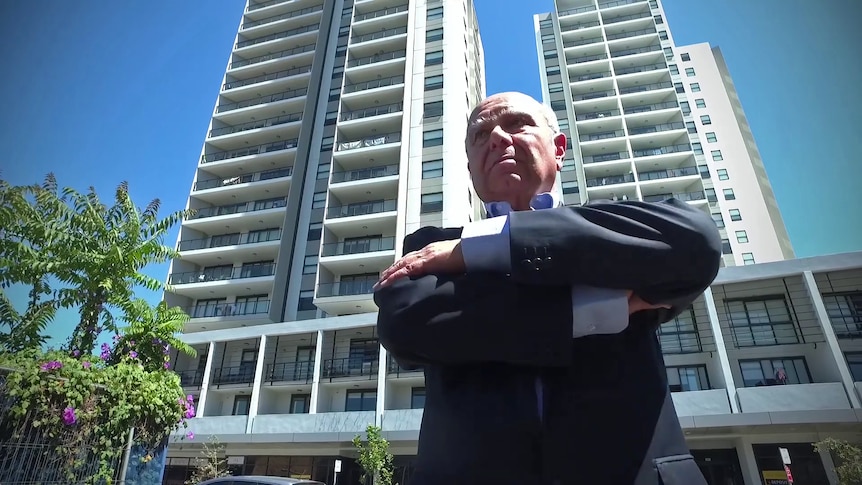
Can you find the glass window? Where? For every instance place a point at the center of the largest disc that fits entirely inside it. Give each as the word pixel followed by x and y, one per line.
pixel 729 195
pixel 433 109
pixel 710 137
pixel 549 53
pixel 854 361
pixel 431 203
pixel 700 103
pixel 417 398
pixel 722 174
pixel 772 372
pixel 668 53
pixel 432 138
pixel 361 400
pixel 553 70
pixel 306 301
pixel 433 82
pixel 695 87
pixel 680 335
pixel 679 87
pixel 761 322
pixel 685 57
pixel 326 143
pixel 433 58
pixel 689 71
pixel 241 405
pixel 705 119
pixel 323 170
pixel 309 266
pixel 662 34
pixel 687 378
pixel 570 187
pixel 719 220
pixel 698 148
pixel 691 127
pixel 555 87
pixel 658 20
pixel 725 247
pixel 673 69
pixel 434 35
pixel 747 258
pixel 710 195
pixel 318 200
pixel 735 215
pixel 741 236
pixel 845 313
pixel 434 13
pixel 432 169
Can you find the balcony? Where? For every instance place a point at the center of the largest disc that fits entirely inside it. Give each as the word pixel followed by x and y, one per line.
pixel 618 3
pixel 601 136
pixel 358 254
pixel 638 50
pixel 241 62
pixel 590 76
pixel 646 87
pixel 277 36
pixel 567 28
pixel 265 148
pixel 593 95
pixel 208 309
pixel 355 151
pixel 376 14
pixel 793 397
pixel 268 77
pixel 353 294
pixel 377 58
pixel 650 107
pixel 267 213
pixel 579 42
pixel 290 373
pixel 380 182
pixel 611 180
pixel 665 150
pixel 575 11
pixel 191 379
pixel 212 250
pixel 367 173
pixel 589 58
pixel 626 18
pixel 334 427
pixel 606 157
pixel 223 427
pixel 257 185
pixel 351 367
pixel 234 375
pixel 694 196
pixel 293 94
pixel 395 370
pixel 257 6
pixel 382 34
pixel 622 71
pixel 372 86
pixel 275 18
pixel 635 33
pixel 642 130
pixel 701 403
pixel 371 112
pixel 597 115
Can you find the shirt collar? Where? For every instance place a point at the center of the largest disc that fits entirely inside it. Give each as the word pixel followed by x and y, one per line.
pixel 545 200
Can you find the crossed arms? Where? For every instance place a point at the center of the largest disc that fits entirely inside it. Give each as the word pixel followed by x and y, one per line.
pixel 516 307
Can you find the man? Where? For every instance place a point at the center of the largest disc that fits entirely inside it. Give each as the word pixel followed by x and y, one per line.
pixel 536 328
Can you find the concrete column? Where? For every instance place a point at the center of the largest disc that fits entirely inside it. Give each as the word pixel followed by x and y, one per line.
pixel 255 389
pixel 828 465
pixel 721 350
pixel 382 368
pixel 315 378
pixel 831 338
pixel 202 400
pixel 747 462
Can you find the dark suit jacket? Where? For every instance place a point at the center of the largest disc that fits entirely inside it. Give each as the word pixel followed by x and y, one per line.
pixel 483 339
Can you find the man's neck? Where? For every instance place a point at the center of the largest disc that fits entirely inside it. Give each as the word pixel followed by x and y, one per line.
pixel 544 200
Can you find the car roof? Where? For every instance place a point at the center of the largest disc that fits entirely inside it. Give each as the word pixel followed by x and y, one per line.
pixel 261 480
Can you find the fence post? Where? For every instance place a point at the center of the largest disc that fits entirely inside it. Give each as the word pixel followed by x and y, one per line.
pixel 126 454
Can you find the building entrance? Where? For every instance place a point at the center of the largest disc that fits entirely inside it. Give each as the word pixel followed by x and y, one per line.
pixel 720 466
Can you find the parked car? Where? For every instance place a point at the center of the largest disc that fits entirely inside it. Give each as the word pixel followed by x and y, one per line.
pixel 259 480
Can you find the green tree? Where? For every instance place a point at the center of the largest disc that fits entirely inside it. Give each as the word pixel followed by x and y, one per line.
pixel 210 464
pixel 374 456
pixel 151 333
pixel 848 459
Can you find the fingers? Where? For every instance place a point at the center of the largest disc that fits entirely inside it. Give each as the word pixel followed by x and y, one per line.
pixel 404 267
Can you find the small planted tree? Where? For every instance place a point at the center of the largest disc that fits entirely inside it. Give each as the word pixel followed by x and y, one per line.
pixel 374 456
pixel 210 464
pixel 848 459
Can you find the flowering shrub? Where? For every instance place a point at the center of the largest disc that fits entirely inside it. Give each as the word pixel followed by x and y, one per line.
pixel 74 399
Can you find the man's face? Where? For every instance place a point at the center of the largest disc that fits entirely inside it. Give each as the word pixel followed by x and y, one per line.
pixel 512 152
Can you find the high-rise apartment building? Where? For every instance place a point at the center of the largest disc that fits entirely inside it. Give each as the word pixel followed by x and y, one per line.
pixel 650 120
pixel 327 145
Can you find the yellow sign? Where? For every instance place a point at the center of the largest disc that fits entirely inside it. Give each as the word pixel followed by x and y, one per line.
pixel 775 477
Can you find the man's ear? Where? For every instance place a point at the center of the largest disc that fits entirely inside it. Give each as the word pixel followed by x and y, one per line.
pixel 559 149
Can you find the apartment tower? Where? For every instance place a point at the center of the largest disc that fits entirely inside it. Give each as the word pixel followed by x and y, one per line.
pixel 650 120
pixel 339 128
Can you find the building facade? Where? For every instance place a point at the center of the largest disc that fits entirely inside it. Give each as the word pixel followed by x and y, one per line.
pixel 649 119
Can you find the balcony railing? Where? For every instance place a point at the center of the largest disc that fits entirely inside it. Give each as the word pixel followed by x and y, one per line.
pixel 376 83
pixel 272 98
pixel 276 18
pixel 612 180
pixel 594 57
pixel 243 179
pixel 669 173
pixel 606 157
pixel 579 26
pixel 386 56
pixel 592 75
pixel 253 150
pixel 256 6
pixel 360 246
pixel 614 20
pixel 394 368
pixel 639 50
pixel 191 378
pixel 359 286
pixel 601 136
pixel 256 125
pixel 617 3
pixel 240 374
pixel 369 142
pixel 230 240
pixel 572 11
pixel 676 125
pixel 224 210
pixel 364 174
pixel 268 57
pixel 633 69
pixel 594 95
pixel 278 35
pixel 380 13
pixel 369 112
pixel 379 35
pixel 623 35
pixel 302 371
pixel 649 152
pixel 684 196
pixel 206 276
pixel 351 367
pixel 235 309
pixel 646 87
pixel 596 115
pixel 267 77
pixel 361 209
pixel 651 107
pixel 579 42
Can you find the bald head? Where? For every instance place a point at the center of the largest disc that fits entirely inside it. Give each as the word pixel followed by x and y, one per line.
pixel 515 97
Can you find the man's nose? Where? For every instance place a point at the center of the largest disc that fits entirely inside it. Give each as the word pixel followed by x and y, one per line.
pixel 500 137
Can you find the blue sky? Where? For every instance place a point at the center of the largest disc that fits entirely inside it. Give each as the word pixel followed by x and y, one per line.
pixel 99 92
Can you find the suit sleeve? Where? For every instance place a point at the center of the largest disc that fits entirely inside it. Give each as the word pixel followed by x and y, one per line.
pixel 481 317
pixel 666 252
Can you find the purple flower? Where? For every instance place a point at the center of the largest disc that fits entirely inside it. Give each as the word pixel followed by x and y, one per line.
pixel 116 338
pixel 86 364
pixel 69 417
pixel 132 343
pixel 106 352
pixel 167 365
pixel 76 353
pixel 133 354
pixel 166 349
pixel 51 365
pixel 190 435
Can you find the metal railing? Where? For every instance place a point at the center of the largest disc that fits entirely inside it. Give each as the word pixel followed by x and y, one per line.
pixel 602 136
pixel 361 208
pixel 302 371
pixel 579 26
pixel 612 180
pixel 579 42
pixel 634 69
pixel 256 125
pixel 378 35
pixel 272 98
pixel 596 115
pixel 380 13
pixel 638 50
pixel 267 77
pixel 225 274
pixel 650 107
pixel 572 11
pixel 617 3
pixel 257 6
pixel 376 83
pixel 351 367
pixel 276 18
pixel 359 286
pixel 224 210
pixel 623 35
pixel 238 374
pixel 369 142
pixel 669 173
pixel 594 57
pixel 594 95
pixel 676 125
pixel 683 196
pixel 593 75
pixel 253 150
pixel 229 240
pixel 623 18
pixel 191 378
pixel 360 246
pixel 369 112
pixel 386 56
pixel 364 173
pixel 649 152
pixel 606 157
pixel 235 309
pixel 394 368
pixel 646 87
pixel 278 35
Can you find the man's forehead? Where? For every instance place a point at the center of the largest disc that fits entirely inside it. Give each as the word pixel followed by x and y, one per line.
pixel 496 106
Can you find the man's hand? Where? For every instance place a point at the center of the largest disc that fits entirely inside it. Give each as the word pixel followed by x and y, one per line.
pixel 637 304
pixel 442 257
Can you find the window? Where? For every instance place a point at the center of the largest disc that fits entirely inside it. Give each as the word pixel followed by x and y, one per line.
pixel 433 58
pixel 330 118
pixel 698 148
pixel 549 53
pixel 259 268
pixel 662 34
pixel 854 362
pixel 691 127
pixel 845 313
pixel 432 138
pixel 434 35
pixel 729 195
pixel 555 87
pixel 306 301
pixel 658 20
pixel 705 119
pixel 323 170
pixel 432 169
pixel 685 57
pixel 679 335
pixel 704 172
pixel 695 87
pixel 668 53
pixel 361 400
pixel 725 247
pixel 747 258
pixel 710 195
pixel 735 215
pixel 679 87
pixel 741 237
pixel 553 70
pixel 434 13
pixel 417 398
pixel 318 200
pixel 689 71
pixel 299 403
pixel 761 322
pixel 314 231
pixel 241 405
pixel 433 109
pixel 710 137
pixel 688 378
pixel 700 103
pixel 719 220
pixel 653 3
pixel 309 265
pixel 673 69
pixel 326 143
pixel 722 174
pixel 686 108
pixel 570 187
pixel 547 38
pixel 771 372
pixel 433 82
pixel 546 24
pixel 431 203
pixel 334 94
